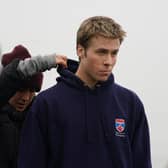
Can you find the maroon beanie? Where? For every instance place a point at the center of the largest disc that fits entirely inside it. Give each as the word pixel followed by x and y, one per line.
pixel 21 53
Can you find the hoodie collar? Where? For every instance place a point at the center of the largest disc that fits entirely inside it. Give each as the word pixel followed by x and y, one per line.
pixel 68 75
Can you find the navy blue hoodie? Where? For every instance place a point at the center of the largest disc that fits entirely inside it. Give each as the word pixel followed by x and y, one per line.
pixel 73 126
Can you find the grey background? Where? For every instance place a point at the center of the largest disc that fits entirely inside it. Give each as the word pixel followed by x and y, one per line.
pixel 47 26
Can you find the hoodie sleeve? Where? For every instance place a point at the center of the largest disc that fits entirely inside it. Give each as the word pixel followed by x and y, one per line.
pixel 141 140
pixel 31 66
pixel 33 145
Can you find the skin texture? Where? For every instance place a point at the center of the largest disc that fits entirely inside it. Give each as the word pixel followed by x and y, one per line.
pixel 98 60
pixel 21 99
pixel 61 60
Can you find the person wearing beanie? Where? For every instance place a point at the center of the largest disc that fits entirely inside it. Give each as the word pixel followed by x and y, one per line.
pixel 20 78
pixel 15 74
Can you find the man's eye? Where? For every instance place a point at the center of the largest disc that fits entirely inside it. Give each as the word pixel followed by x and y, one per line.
pixel 115 53
pixel 32 90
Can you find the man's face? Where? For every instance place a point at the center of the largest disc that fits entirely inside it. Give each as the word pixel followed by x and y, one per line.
pixel 21 99
pixel 98 60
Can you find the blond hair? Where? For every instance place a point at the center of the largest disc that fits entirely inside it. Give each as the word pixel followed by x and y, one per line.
pixel 99 25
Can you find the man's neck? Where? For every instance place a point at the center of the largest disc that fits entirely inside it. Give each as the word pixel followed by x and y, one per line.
pixel 82 76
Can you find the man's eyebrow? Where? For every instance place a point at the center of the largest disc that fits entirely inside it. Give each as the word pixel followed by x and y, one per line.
pixel 102 49
pixel 106 50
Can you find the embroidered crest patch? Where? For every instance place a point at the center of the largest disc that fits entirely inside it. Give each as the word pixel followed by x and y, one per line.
pixel 120 125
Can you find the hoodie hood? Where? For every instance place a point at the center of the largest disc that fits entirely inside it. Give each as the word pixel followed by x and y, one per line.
pixel 68 76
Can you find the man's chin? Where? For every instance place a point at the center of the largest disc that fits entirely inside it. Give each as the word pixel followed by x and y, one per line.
pixel 103 79
pixel 20 109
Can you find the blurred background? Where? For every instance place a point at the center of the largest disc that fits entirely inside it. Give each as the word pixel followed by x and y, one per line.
pixel 48 26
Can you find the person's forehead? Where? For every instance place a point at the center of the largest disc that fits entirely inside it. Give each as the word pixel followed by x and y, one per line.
pixel 99 41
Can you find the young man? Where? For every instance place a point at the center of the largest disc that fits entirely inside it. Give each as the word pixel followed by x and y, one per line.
pixel 19 81
pixel 87 120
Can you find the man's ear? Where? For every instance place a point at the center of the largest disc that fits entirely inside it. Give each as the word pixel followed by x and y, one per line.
pixel 80 51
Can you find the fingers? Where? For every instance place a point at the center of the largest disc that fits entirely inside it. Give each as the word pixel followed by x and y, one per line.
pixel 61 60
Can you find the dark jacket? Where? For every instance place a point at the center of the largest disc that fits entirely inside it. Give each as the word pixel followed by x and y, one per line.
pixel 11 123
pixel 73 126
pixel 10 120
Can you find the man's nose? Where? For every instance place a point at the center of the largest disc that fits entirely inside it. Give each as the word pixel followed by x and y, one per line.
pixel 108 60
pixel 26 96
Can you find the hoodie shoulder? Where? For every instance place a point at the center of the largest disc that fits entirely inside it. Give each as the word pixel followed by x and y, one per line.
pixel 123 89
pixel 127 94
pixel 47 93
